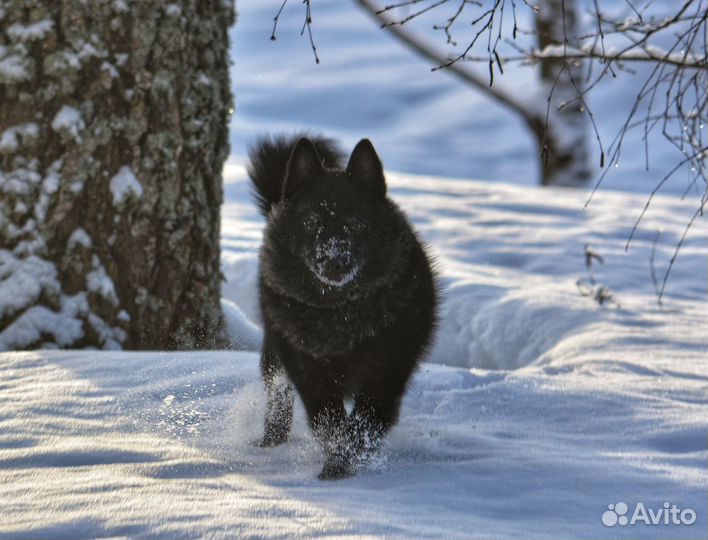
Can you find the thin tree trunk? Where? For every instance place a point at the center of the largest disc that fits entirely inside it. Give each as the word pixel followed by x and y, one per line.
pixel 563 142
pixel 113 132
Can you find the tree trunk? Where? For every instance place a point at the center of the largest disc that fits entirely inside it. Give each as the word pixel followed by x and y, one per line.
pixel 563 145
pixel 113 133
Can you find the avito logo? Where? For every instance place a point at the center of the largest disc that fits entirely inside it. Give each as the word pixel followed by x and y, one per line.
pixel 669 514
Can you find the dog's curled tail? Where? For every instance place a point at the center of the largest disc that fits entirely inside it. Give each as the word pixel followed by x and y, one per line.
pixel 268 164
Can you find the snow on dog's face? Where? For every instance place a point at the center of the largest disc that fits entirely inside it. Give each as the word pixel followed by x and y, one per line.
pixel 334 233
pixel 330 255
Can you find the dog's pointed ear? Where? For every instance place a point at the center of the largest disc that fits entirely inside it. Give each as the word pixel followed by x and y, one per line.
pixel 365 168
pixel 303 168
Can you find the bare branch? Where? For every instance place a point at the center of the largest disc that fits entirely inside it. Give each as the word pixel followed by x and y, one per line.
pixel 498 94
pixel 306 25
pixel 631 55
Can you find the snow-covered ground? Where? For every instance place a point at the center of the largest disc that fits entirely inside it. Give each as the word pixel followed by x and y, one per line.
pixel 535 411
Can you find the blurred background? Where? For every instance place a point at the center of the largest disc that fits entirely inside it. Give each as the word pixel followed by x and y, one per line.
pixel 367 84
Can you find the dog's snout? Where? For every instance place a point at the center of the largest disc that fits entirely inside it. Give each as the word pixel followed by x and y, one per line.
pixel 339 263
pixel 334 261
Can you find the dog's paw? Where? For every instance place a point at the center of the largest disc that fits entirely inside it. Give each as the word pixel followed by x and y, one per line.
pixel 270 442
pixel 336 468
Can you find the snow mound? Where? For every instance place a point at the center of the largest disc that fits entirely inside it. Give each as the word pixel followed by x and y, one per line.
pixel 245 335
pixel 510 258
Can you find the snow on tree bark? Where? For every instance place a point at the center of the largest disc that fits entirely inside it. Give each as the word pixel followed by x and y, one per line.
pixel 563 139
pixel 113 133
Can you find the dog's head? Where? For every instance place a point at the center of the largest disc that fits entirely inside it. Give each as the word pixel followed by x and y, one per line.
pixel 334 232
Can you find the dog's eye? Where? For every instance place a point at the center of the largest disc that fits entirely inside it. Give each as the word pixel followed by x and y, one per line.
pixel 355 226
pixel 311 223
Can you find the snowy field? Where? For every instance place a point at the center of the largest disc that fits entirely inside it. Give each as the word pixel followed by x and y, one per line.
pixel 535 411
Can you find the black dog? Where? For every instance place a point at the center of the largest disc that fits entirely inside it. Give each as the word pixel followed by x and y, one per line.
pixel 347 294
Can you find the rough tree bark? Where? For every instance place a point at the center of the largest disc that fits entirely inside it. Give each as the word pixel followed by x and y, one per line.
pixel 113 133
pixel 562 141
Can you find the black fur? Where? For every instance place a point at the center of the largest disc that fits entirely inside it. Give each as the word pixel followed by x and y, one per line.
pixel 268 161
pixel 347 293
